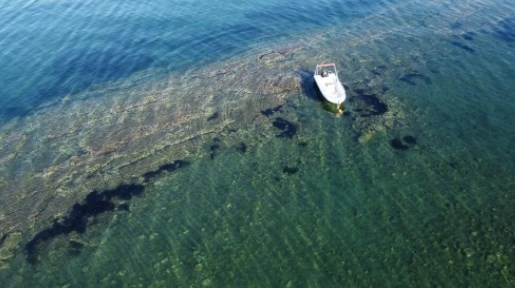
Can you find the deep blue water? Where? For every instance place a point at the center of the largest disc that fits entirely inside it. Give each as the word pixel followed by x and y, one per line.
pixel 54 48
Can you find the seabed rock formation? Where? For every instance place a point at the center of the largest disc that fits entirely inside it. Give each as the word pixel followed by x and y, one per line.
pixel 76 221
pixel 126 132
pixel 8 246
pixel 373 112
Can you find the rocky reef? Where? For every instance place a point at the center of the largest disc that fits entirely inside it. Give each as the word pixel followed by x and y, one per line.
pixel 9 245
pixel 127 131
pixel 123 133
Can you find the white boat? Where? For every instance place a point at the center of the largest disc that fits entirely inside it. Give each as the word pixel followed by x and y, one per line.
pixel 327 81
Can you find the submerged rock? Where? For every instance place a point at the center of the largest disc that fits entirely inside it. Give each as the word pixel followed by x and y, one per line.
pixel 121 131
pixel 168 167
pixel 411 140
pixel 77 220
pixel 272 56
pixel 373 110
pixel 242 147
pixel 290 170
pixel 288 128
pixel 271 111
pixel 9 246
pixel 214 148
pixel 397 144
pixel 411 78
pixel 367 105
pixel 75 247
pixel 404 144
pixel 214 116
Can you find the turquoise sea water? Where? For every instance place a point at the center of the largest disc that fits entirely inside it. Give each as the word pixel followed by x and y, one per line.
pixel 425 201
pixel 53 48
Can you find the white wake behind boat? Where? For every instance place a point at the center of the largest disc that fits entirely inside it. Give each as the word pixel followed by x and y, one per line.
pixel 327 81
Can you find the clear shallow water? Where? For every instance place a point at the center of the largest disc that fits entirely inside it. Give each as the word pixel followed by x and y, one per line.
pixel 321 209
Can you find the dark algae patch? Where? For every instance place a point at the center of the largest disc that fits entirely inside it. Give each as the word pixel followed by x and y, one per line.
pixel 75 247
pixel 214 148
pixel 290 170
pixel 376 71
pixel 214 116
pixel 2 240
pixel 242 147
pixel 271 111
pixel 410 140
pixel 123 207
pixel 368 104
pixel 411 78
pixel 95 203
pixel 398 145
pixel 403 144
pixel 288 128
pixel 77 219
pixel 168 167
pixel 378 107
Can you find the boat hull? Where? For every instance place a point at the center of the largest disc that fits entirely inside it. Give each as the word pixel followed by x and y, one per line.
pixel 331 88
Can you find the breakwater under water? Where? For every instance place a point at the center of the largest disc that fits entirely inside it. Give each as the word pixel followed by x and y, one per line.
pixel 77 163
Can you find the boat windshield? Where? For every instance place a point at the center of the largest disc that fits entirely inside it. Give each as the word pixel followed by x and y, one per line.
pixel 325 69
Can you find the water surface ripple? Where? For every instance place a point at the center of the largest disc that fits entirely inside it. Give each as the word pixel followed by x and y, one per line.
pixel 183 144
